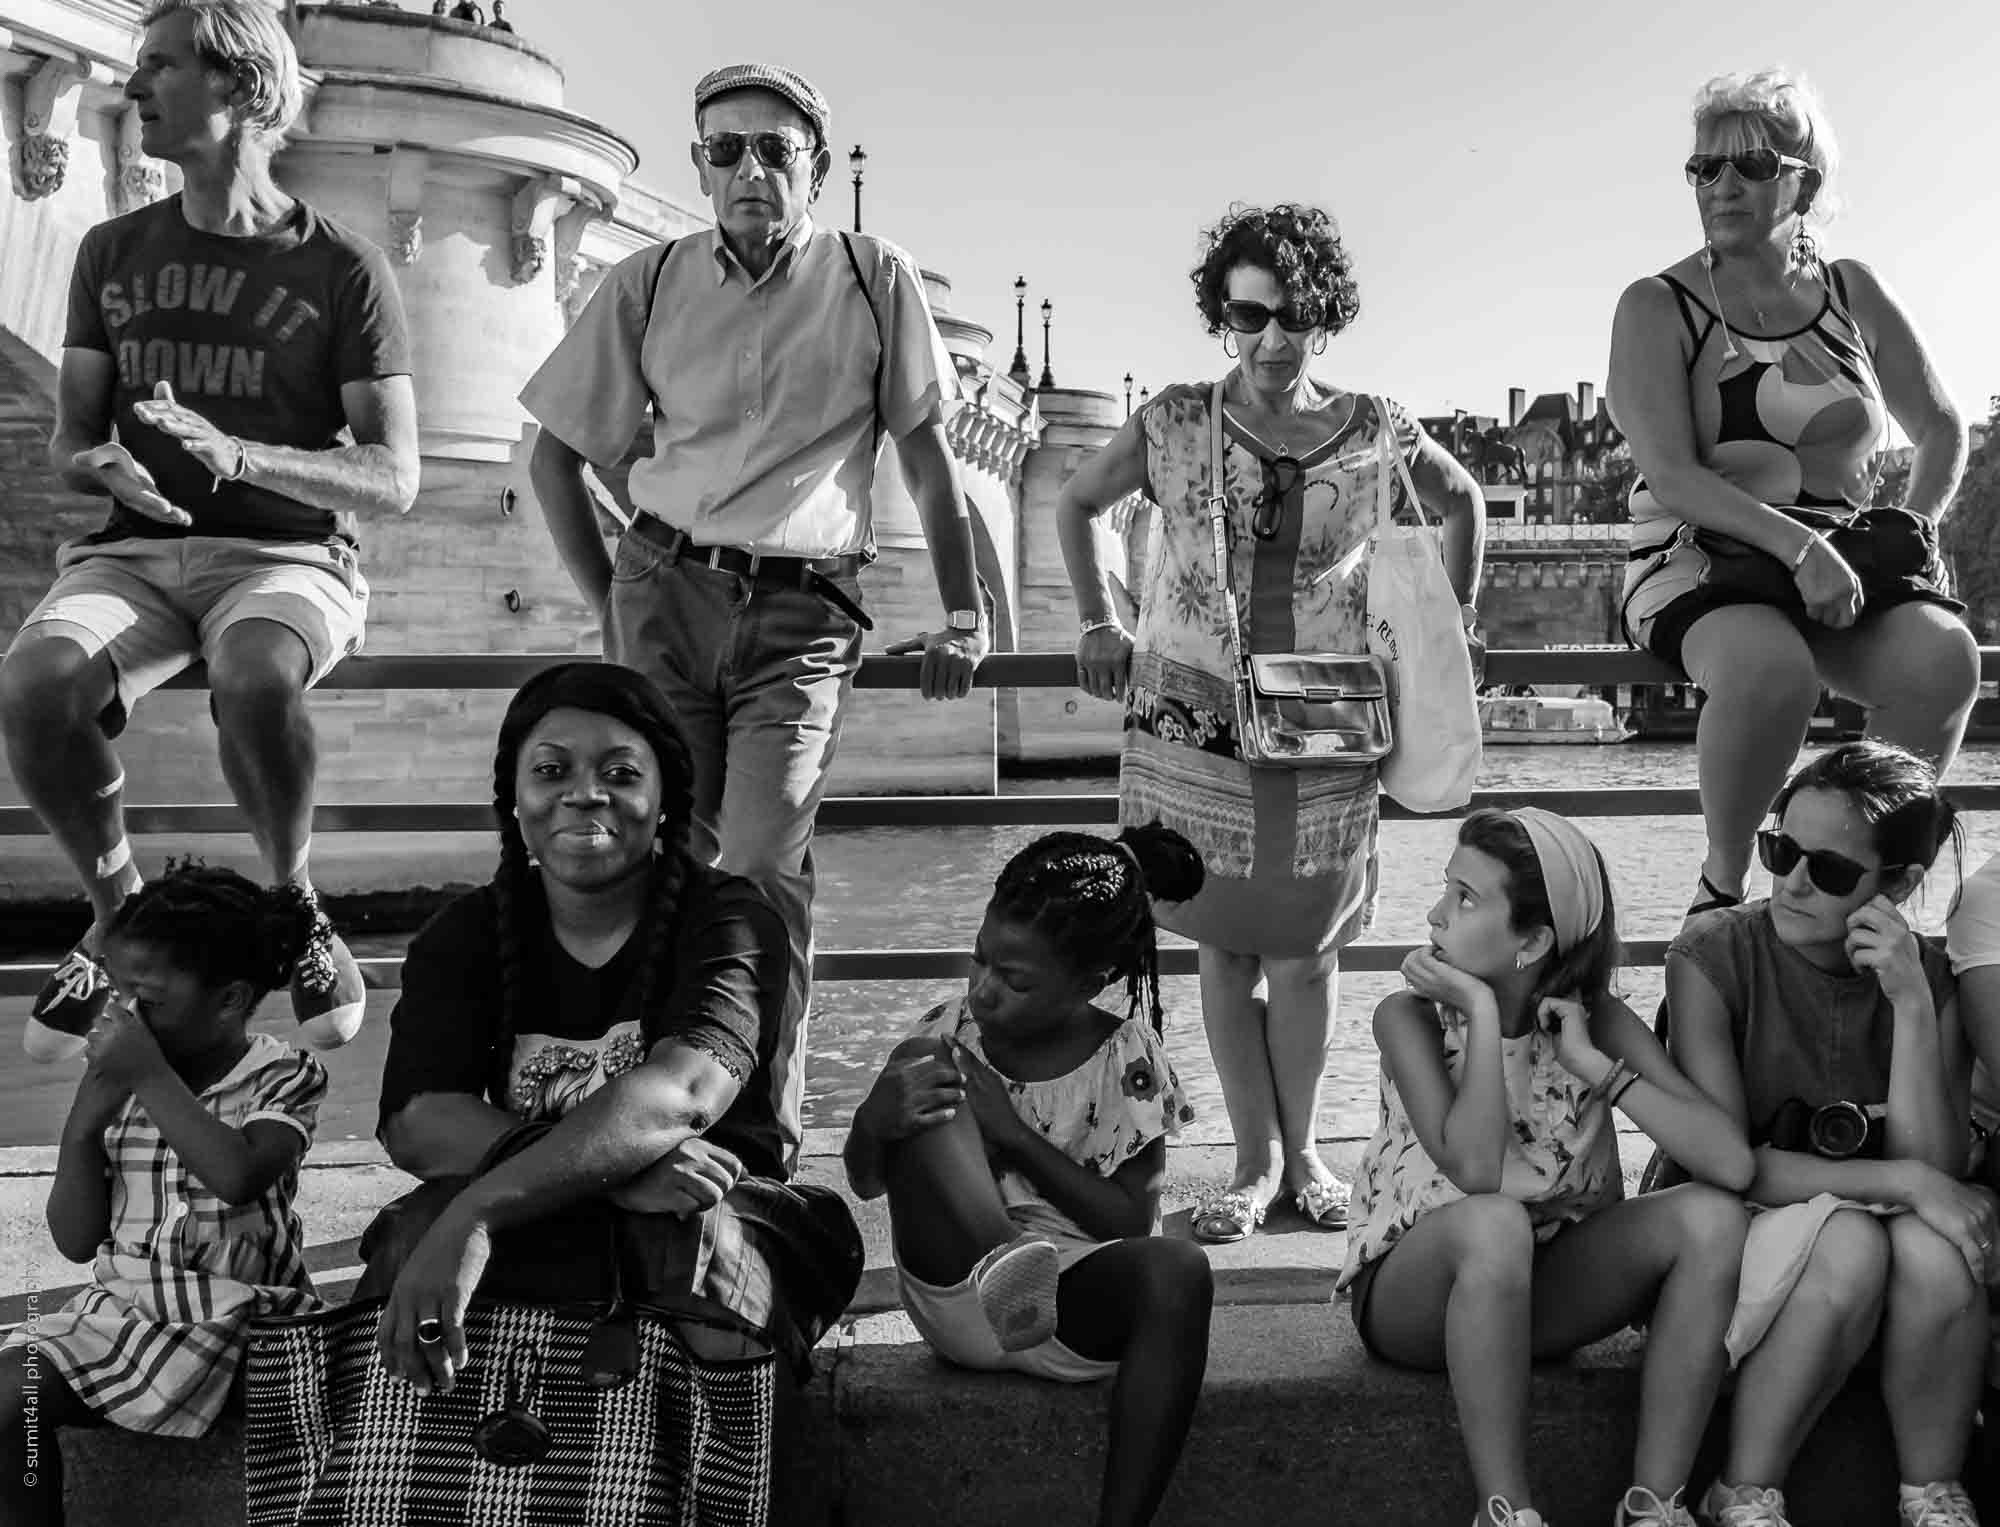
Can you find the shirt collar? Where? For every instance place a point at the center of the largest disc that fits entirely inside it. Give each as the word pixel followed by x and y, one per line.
pixel 781 264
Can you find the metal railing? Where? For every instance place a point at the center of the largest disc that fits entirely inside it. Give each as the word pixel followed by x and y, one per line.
pixel 1025 670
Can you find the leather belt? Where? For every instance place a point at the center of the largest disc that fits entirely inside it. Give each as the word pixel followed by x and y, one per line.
pixel 813 575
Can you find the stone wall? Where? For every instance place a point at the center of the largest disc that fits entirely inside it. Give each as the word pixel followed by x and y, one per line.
pixel 1551 598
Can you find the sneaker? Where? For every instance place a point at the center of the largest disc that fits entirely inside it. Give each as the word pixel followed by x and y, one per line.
pixel 1744 1506
pixel 1944 1504
pixel 65 1008
pixel 328 998
pixel 1500 1512
pixel 1640 1507
pixel 1016 1284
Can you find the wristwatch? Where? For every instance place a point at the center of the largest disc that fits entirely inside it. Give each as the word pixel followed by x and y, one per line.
pixel 962 620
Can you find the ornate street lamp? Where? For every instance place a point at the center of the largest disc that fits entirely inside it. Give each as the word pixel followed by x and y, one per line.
pixel 1128 394
pixel 1048 376
pixel 1019 370
pixel 857 162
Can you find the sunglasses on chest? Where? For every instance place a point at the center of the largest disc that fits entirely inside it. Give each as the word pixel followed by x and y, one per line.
pixel 774 151
pixel 1753 164
pixel 1835 874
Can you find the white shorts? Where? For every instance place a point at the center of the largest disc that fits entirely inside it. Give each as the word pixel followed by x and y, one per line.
pixel 154 605
pixel 951 1321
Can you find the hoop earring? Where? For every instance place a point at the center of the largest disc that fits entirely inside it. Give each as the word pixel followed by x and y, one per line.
pixel 1229 346
pixel 1319 345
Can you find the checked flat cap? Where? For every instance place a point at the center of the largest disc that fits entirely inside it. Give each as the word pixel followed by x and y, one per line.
pixel 796 88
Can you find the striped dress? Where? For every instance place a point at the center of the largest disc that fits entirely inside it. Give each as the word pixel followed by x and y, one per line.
pixel 154 1345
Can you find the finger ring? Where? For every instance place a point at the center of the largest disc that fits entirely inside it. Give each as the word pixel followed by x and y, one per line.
pixel 429 1332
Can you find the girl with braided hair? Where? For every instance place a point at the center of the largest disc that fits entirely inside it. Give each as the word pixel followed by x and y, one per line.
pixel 1020 1134
pixel 588 1036
pixel 177 1171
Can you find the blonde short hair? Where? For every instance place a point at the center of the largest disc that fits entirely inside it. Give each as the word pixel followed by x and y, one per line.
pixel 246 38
pixel 1786 112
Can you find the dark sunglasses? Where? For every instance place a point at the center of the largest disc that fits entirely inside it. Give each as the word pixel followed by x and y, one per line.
pixel 1255 318
pixel 774 151
pixel 1835 874
pixel 1280 477
pixel 1753 164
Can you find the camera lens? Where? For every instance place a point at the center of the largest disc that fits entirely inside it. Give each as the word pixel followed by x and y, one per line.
pixel 1839 1130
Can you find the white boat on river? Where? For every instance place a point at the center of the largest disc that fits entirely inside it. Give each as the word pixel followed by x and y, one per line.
pixel 1549 721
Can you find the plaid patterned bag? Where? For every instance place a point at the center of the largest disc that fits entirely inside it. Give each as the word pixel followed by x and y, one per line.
pixel 334 1441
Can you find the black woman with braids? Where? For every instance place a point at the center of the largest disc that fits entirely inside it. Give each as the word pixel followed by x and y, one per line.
pixel 1020 1134
pixel 596 1025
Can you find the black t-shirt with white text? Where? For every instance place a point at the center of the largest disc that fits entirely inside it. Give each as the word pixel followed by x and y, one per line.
pixel 257 335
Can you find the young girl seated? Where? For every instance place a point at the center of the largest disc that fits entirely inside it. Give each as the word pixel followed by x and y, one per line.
pixel 1830 1032
pixel 1491 1227
pixel 1020 1134
pixel 178 1166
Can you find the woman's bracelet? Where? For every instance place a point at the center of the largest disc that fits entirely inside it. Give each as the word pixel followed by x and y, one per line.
pixel 1611 1079
pixel 1109 623
pixel 1623 1088
pixel 1805 551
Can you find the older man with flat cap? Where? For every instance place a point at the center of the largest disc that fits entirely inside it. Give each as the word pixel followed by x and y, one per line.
pixel 776 356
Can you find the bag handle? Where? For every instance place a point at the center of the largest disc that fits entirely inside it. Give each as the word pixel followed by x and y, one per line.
pixel 1385 493
pixel 1219 528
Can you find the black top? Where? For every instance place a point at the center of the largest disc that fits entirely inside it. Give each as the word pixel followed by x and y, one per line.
pixel 257 335
pixel 576 1027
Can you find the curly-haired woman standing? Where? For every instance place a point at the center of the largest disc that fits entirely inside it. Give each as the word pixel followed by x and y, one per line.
pixel 1290 853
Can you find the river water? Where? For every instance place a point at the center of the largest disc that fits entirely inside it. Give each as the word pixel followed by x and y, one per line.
pixel 926 887
pixel 913 888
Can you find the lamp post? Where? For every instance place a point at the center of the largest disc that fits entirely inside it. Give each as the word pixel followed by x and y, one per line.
pixel 1144 393
pixel 1128 394
pixel 1019 370
pixel 1048 376
pixel 857 162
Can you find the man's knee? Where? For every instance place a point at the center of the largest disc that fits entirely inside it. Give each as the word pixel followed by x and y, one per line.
pixel 245 677
pixel 51 686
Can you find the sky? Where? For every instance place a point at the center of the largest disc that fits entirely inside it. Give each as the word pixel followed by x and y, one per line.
pixel 1499 173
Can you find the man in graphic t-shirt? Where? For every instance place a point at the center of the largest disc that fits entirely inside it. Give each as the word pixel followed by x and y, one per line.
pixel 235 379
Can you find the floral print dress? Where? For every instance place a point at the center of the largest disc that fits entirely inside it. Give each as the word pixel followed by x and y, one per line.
pixel 1562 1162
pixel 1290 853
pixel 1101 1115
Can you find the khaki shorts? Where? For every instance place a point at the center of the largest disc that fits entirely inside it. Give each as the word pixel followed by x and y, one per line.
pixel 153 606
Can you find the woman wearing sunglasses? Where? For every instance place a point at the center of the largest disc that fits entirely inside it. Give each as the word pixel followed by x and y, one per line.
pixel 1831 1032
pixel 1755 381
pixel 1289 853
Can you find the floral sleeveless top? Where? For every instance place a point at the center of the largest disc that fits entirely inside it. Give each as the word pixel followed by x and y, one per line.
pixel 1562 1162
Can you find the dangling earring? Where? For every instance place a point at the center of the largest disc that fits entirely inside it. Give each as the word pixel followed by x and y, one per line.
pixel 1319 345
pixel 1805 248
pixel 1229 346
pixel 1520 959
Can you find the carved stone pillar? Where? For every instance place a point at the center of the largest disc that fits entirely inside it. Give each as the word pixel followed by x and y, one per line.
pixel 49 100
pixel 408 168
pixel 537 206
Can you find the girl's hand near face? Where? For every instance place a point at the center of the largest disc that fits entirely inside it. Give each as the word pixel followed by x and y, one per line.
pixel 1431 978
pixel 1879 940
pixel 122 1047
pixel 992 1104
pixel 1576 1048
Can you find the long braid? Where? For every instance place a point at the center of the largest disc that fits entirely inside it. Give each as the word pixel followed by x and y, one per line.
pixel 510 885
pixel 669 879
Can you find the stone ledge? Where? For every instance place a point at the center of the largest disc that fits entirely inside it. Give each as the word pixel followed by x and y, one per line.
pixel 1296 1424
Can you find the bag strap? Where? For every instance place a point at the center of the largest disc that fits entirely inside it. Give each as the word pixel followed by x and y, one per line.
pixel 1386 443
pixel 1219 527
pixel 881 345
